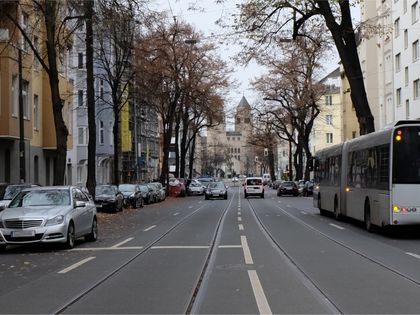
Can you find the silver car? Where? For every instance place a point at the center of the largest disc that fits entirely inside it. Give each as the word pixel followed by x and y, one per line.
pixel 56 214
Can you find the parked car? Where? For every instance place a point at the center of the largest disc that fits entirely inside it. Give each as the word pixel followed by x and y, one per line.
pixel 176 188
pixel 3 189
pixel 288 188
pixel 132 195
pixel 11 191
pixel 55 214
pixel 154 192
pixel 161 190
pixel 300 185
pixel 275 185
pixel 205 180
pixel 216 190
pixel 253 186
pixel 146 193
pixel 266 179
pixel 196 188
pixel 108 197
pixel 308 188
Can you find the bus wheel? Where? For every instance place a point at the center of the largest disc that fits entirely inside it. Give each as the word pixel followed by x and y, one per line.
pixel 368 223
pixel 321 211
pixel 337 215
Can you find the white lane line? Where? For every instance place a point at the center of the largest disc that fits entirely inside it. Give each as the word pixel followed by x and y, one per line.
pixel 123 242
pixel 259 294
pixel 93 249
pixel 413 255
pixel 247 252
pixel 230 246
pixel 337 226
pixel 241 227
pixel 239 213
pixel 149 228
pixel 190 207
pixel 239 219
pixel 176 213
pixel 180 247
pixel 74 266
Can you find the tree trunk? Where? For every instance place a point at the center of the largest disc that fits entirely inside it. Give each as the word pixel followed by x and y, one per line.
pixel 91 174
pixel 61 131
pixel 345 41
pixel 115 130
pixel 192 157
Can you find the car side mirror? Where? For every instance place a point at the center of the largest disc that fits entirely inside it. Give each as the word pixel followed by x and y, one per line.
pixel 80 204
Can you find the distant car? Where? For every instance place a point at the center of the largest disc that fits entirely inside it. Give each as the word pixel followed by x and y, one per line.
pixel 146 193
pixel 276 184
pixel 205 180
pixel 108 197
pixel 266 179
pixel 154 192
pixel 300 184
pixel 288 188
pixel 253 186
pixel 216 190
pixel 55 214
pixel 196 188
pixel 235 179
pixel 11 191
pixel 308 188
pixel 132 195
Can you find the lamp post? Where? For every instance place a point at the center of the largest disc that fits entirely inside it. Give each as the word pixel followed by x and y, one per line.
pixel 22 166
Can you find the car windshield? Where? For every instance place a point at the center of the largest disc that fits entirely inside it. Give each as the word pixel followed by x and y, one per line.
pixel 288 184
pixel 33 198
pixel 104 190
pixel 12 191
pixel 126 187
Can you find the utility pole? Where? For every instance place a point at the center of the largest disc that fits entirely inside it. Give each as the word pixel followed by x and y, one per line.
pixel 22 165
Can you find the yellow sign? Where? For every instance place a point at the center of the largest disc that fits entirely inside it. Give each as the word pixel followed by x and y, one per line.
pixel 125 125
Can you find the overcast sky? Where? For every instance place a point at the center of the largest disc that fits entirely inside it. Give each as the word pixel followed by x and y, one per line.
pixel 204 21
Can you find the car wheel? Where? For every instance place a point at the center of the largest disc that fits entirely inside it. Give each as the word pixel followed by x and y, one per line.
pixel 246 195
pixel 368 222
pixel 93 235
pixel 225 197
pixel 262 195
pixel 206 197
pixel 71 236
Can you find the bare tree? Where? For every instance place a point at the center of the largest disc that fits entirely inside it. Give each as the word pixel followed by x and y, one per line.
pixel 265 21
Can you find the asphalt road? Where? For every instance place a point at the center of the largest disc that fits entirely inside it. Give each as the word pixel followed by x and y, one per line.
pixel 235 256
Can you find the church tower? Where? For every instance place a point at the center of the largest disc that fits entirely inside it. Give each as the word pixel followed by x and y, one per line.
pixel 243 118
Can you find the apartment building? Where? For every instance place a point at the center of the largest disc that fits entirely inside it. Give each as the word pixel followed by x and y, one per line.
pixel 37 115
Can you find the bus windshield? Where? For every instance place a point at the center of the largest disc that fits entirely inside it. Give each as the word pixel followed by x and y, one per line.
pixel 406 157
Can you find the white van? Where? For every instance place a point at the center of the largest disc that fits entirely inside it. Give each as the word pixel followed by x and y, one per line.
pixel 253 186
pixel 266 179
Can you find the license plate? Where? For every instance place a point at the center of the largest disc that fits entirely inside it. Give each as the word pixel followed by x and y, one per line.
pixel 98 206
pixel 216 195
pixel 23 233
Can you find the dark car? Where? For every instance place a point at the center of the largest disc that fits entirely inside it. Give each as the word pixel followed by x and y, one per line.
pixel 108 197
pixel 146 193
pixel 308 188
pixel 288 188
pixel 132 195
pixel 216 190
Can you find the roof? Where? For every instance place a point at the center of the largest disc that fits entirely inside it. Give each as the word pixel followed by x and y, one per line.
pixel 244 103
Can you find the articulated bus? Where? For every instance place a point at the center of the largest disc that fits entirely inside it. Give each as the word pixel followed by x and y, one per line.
pixel 374 178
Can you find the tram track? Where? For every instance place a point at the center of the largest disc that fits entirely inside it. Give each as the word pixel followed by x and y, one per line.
pixel 195 292
pixel 305 275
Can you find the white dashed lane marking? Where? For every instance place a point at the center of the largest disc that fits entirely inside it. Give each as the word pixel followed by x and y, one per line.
pixel 74 266
pixel 149 228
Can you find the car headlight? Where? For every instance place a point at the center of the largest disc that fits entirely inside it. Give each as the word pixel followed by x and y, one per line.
pixel 55 221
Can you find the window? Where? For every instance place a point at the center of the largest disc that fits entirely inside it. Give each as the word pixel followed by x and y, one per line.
pixel 80 61
pixel 415 50
pixel 405 39
pixel 397 27
pixel 101 132
pixel 25 100
pixel 15 95
pixel 329 137
pixel 414 16
pixel 398 97
pixel 328 100
pixel 239 150
pixel 328 119
pixel 25 27
pixel 416 87
pixel 407 109
pixel 82 138
pixel 80 98
pixel 398 62
pixel 406 77
pixel 36 112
